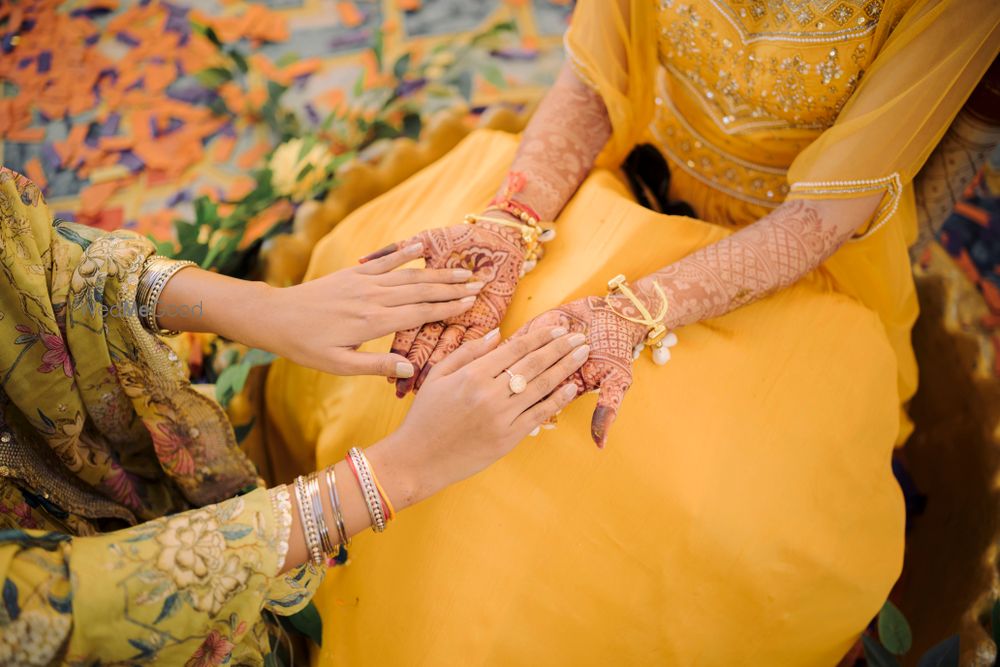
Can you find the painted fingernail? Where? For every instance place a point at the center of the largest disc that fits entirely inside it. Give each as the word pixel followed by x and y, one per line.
pixel 577 339
pixel 467 299
pixel 535 431
pixel 404 369
pixel 414 249
pixel 493 334
pixel 462 274
pixel 474 286
pixel 581 353
pixel 569 391
pixel 558 331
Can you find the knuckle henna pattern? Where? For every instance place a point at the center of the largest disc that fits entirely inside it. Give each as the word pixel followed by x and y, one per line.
pixel 609 367
pixel 494 254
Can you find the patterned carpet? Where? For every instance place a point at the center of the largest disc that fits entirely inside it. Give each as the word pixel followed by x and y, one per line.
pixel 109 103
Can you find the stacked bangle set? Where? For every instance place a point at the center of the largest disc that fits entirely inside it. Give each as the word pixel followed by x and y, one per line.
pixel 320 543
pixel 156 271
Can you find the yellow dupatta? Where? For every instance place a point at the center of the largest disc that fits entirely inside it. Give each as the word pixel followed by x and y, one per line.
pixel 929 55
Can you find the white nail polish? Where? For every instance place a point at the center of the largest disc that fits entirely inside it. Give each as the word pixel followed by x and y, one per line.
pixel 581 353
pixel 535 431
pixel 493 334
pixel 474 286
pixel 558 331
pixel 404 369
pixel 462 274
pixel 577 339
pixel 467 299
pixel 570 391
pixel 414 249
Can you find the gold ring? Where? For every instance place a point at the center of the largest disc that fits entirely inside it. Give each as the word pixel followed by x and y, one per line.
pixel 517 383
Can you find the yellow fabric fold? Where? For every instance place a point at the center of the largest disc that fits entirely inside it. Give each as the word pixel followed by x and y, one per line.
pixel 611 44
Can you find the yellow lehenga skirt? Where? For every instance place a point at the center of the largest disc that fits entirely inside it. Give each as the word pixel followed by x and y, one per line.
pixel 743 513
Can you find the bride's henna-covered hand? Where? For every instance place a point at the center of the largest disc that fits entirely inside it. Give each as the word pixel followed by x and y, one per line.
pixel 609 367
pixel 495 255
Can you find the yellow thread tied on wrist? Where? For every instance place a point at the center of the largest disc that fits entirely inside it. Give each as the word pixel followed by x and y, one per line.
pixel 658 330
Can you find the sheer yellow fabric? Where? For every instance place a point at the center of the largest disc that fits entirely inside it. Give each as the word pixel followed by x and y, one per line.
pixel 612 46
pixel 820 106
pixel 749 478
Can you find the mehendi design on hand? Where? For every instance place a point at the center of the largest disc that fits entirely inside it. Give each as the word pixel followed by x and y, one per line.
pixel 754 262
pixel 559 147
pixel 495 255
pixel 609 367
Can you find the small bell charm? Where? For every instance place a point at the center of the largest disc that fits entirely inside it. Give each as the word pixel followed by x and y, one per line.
pixel 529 265
pixel 547 235
pixel 637 350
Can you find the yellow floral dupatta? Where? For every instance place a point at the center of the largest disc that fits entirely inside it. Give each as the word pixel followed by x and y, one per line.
pixel 100 429
pixel 98 408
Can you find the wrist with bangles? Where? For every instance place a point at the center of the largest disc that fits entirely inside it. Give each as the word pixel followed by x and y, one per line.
pixel 658 338
pixel 153 277
pixel 323 545
pixel 532 233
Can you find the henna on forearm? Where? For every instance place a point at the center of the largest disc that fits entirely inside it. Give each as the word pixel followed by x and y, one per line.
pixel 559 147
pixel 754 262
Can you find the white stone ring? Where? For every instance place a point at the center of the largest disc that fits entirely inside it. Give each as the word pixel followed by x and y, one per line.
pixel 517 383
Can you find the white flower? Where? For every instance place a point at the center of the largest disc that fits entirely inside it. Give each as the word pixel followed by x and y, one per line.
pixel 286 168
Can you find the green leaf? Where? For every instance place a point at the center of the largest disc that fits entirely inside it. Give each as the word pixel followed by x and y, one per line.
pixel 893 630
pixel 213 77
pixel 218 107
pixel 257 357
pixel 359 85
pixel 401 65
pixel 207 32
pixel 493 74
pixel 206 212
pixel 943 654
pixel 494 31
pixel 287 59
pixel 412 125
pixel 464 85
pixel 378 47
pixel 240 60
pixel 876 654
pixel 231 382
pixel 308 143
pixel 309 623
pixel 383 130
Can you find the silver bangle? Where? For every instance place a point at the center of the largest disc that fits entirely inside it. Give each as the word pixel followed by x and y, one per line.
pixel 328 547
pixel 368 489
pixel 338 514
pixel 308 526
pixel 156 271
